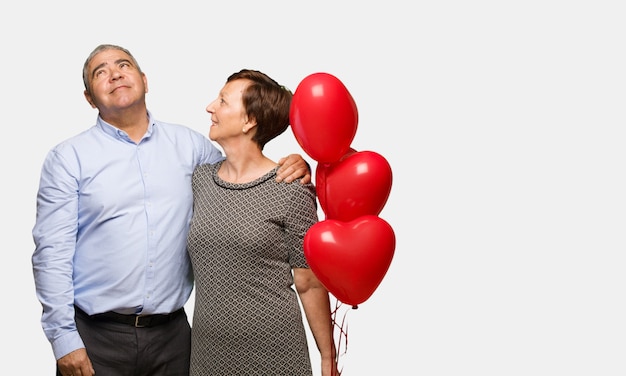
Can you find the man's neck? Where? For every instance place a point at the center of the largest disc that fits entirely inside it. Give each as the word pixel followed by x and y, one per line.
pixel 133 122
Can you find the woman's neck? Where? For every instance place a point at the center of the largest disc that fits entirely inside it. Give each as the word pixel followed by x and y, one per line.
pixel 244 167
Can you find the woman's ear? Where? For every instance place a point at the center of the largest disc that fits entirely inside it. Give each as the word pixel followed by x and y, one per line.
pixel 249 124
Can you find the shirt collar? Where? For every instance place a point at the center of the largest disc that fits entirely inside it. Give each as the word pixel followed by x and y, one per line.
pixel 115 132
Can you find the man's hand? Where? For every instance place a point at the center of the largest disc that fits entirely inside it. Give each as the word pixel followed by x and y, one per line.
pixel 76 363
pixel 293 167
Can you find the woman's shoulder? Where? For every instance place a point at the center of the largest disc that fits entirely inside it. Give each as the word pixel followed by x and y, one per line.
pixel 297 189
pixel 206 168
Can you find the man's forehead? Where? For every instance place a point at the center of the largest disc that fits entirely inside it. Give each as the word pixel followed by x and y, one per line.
pixel 109 55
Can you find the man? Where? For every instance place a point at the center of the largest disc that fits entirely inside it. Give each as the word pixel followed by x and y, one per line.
pixel 113 209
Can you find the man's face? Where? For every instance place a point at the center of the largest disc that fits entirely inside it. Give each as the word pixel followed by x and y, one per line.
pixel 115 81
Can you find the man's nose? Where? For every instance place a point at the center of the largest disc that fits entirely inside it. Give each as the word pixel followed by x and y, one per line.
pixel 116 74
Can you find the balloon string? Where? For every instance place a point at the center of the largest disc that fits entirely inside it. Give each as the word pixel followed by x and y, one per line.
pixel 340 335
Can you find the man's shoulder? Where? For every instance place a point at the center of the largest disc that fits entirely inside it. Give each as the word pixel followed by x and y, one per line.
pixel 177 128
pixel 76 140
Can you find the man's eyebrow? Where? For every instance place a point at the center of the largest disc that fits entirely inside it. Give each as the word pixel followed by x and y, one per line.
pixel 117 62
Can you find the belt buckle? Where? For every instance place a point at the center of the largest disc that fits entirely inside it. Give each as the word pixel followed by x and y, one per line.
pixel 137 325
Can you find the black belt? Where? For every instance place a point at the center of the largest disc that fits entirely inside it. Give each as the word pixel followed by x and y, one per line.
pixel 138 321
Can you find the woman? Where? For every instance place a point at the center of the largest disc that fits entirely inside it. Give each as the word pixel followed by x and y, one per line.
pixel 245 244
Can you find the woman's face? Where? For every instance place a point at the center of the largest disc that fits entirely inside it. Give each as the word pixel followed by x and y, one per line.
pixel 228 115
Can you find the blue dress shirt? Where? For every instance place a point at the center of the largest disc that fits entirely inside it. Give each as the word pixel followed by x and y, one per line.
pixel 112 223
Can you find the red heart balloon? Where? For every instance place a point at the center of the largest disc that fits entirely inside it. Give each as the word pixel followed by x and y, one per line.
pixel 320 179
pixel 356 185
pixel 350 258
pixel 323 117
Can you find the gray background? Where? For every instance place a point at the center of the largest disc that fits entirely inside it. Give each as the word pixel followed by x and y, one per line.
pixel 503 123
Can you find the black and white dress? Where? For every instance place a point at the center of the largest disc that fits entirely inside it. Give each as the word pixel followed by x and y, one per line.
pixel 243 242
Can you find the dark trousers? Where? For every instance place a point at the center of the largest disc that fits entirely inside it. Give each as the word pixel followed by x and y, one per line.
pixel 117 349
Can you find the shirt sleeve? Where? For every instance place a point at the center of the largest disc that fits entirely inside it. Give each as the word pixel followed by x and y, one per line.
pixel 211 154
pixel 54 235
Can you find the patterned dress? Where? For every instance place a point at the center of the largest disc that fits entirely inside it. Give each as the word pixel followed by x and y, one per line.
pixel 243 242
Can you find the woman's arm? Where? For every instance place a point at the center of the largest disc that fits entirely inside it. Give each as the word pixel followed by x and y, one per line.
pixel 316 304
